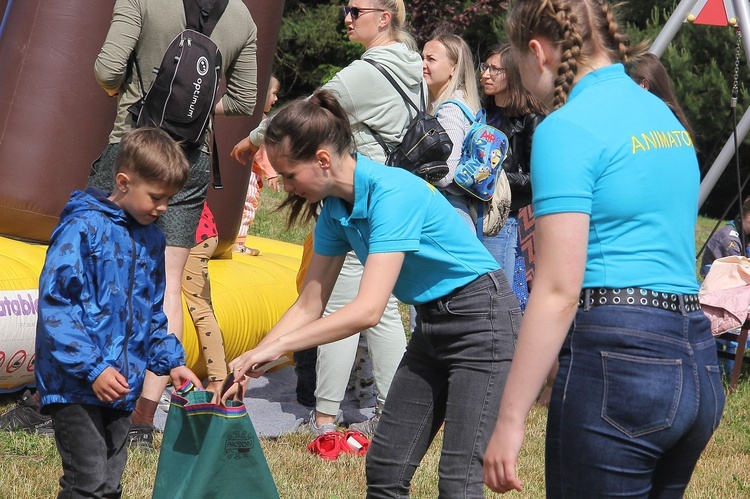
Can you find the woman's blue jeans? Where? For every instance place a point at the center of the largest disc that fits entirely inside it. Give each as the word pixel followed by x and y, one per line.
pixel 502 247
pixel 635 401
pixel 453 372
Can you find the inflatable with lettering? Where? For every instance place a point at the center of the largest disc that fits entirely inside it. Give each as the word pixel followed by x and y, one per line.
pixel 55 123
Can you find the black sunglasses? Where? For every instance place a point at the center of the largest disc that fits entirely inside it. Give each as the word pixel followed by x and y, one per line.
pixel 356 11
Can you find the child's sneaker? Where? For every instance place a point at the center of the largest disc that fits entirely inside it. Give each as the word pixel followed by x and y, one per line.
pixel 327 445
pixel 316 430
pixel 355 442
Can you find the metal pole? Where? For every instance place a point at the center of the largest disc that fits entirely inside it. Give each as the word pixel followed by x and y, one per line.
pixel 723 159
pixel 672 26
pixel 742 9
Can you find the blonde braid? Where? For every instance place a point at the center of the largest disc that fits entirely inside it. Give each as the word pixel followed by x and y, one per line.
pixel 620 43
pixel 571 45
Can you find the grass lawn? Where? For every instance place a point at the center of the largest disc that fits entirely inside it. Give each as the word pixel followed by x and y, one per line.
pixel 30 465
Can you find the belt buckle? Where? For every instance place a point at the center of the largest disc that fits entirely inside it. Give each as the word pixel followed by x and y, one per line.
pixel 587 300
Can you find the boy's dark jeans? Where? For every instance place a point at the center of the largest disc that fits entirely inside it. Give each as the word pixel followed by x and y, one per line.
pixel 92 442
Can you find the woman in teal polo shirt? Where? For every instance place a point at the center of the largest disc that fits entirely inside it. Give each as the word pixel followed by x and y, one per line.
pixel 615 185
pixel 414 244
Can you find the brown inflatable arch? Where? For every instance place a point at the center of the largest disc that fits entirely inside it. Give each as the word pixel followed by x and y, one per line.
pixel 55 119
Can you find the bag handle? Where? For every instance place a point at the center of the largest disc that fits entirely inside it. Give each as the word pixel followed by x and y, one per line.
pixel 403 95
pixel 227 383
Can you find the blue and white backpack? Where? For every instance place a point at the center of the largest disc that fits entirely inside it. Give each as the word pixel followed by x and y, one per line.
pixel 482 155
pixel 479 172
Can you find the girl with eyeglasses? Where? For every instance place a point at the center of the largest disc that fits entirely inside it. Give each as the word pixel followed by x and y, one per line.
pixel 638 393
pixel 412 243
pixel 514 111
pixel 371 104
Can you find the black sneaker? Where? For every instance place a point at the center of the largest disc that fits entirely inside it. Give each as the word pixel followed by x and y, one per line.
pixel 26 417
pixel 141 436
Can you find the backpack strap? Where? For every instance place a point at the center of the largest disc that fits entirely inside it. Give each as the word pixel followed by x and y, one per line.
pixel 202 15
pixel 133 60
pixel 388 76
pixel 480 219
pixel 403 95
pixel 467 112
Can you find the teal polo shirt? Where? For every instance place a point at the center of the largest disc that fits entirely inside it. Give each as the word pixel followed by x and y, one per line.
pixel 617 153
pixel 396 211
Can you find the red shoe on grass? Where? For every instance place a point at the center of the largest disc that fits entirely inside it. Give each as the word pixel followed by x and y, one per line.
pixel 355 442
pixel 327 445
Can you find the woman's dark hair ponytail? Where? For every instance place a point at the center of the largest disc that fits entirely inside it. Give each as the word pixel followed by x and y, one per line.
pixel 299 130
pixel 304 125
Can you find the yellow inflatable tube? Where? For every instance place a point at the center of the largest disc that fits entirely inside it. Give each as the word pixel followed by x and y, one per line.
pixel 249 294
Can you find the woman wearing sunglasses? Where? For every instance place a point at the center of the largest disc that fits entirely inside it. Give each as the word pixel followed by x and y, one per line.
pixel 371 104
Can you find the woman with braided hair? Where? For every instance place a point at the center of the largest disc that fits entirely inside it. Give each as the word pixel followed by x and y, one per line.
pixel 615 191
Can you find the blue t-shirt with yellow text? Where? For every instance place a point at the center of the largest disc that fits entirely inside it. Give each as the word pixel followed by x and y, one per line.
pixel 396 211
pixel 617 153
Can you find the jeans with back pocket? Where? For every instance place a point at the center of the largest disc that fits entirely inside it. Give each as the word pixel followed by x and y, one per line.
pixel 635 401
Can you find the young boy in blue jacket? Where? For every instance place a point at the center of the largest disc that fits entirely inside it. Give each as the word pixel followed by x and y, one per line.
pixel 101 323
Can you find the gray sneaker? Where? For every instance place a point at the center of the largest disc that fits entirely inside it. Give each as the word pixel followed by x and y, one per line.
pixel 316 430
pixel 367 427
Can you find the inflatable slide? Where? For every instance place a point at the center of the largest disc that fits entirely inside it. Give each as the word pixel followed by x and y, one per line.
pixel 55 122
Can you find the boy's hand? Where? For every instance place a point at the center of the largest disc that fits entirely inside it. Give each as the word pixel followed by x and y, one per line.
pixel 110 385
pixel 180 374
pixel 243 150
pixel 273 183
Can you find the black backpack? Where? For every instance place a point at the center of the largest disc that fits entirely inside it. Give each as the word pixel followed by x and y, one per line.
pixel 182 97
pixel 425 146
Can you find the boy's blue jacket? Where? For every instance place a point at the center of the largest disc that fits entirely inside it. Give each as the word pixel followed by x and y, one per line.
pixel 100 304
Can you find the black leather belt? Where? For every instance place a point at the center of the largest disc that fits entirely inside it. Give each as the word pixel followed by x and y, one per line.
pixel 594 297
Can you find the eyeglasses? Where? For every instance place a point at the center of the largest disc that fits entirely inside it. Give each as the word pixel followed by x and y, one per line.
pixel 494 70
pixel 356 11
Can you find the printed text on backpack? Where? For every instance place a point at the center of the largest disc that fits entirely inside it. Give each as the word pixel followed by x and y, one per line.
pixel 482 155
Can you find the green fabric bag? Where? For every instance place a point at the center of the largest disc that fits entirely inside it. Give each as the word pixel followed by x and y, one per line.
pixel 211 450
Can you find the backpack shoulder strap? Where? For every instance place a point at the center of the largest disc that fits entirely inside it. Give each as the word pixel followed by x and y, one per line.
pixel 202 15
pixel 133 62
pixel 388 76
pixel 467 112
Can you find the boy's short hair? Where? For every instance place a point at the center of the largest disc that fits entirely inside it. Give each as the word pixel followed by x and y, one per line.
pixel 153 156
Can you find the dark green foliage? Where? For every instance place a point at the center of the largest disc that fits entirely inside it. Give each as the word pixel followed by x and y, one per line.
pixel 472 19
pixel 312 46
